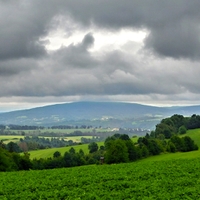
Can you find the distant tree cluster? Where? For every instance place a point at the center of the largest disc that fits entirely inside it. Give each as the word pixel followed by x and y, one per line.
pixel 176 124
pixel 35 142
pixel 25 127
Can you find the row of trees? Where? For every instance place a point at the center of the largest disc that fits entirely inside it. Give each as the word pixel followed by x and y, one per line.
pixel 34 142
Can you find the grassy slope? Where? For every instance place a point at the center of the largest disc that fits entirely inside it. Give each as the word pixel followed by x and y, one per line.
pixel 173 179
pixel 195 135
pixel 46 153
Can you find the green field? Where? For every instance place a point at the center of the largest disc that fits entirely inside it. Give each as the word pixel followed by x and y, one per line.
pixel 10 138
pixel 15 138
pixel 76 138
pixel 171 179
pixel 47 153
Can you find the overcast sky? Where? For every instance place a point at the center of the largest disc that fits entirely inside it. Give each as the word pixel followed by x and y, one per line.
pixel 54 51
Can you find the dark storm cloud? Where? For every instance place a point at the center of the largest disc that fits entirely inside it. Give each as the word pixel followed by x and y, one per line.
pixel 173 25
pixel 77 55
pixel 165 64
pixel 22 23
pixel 15 67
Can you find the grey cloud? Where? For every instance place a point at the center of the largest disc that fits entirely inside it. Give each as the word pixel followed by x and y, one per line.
pixel 12 68
pixel 77 55
pixel 27 70
pixel 22 24
pixel 180 42
pixel 113 74
pixel 174 25
pixel 88 41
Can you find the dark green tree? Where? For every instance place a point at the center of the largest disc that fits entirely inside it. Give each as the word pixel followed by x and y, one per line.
pixel 117 152
pixel 72 150
pixel 178 142
pixel 182 130
pixel 56 154
pixel 189 144
pixel 13 147
pixel 93 147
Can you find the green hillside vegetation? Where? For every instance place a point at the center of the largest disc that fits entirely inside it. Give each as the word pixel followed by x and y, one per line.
pixel 163 176
pixel 194 134
pixel 118 148
pixel 171 179
pixel 47 153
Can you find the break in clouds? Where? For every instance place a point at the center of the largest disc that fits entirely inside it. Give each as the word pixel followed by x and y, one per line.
pixel 162 67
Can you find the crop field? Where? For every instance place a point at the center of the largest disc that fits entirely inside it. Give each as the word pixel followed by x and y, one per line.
pixel 10 138
pixel 76 138
pixel 171 179
pixel 15 138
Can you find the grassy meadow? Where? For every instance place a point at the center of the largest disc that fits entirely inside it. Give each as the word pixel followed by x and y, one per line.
pixel 47 153
pixel 10 138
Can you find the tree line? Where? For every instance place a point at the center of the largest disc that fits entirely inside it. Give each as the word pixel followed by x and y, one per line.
pixel 174 125
pixel 30 143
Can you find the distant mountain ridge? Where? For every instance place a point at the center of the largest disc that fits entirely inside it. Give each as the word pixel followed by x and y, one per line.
pixel 95 113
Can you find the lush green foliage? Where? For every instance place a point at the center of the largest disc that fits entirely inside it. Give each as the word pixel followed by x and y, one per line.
pixel 172 179
pixel 176 124
pixel 11 161
pixel 166 176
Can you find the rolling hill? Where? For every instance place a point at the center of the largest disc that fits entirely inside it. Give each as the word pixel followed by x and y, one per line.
pixel 105 114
